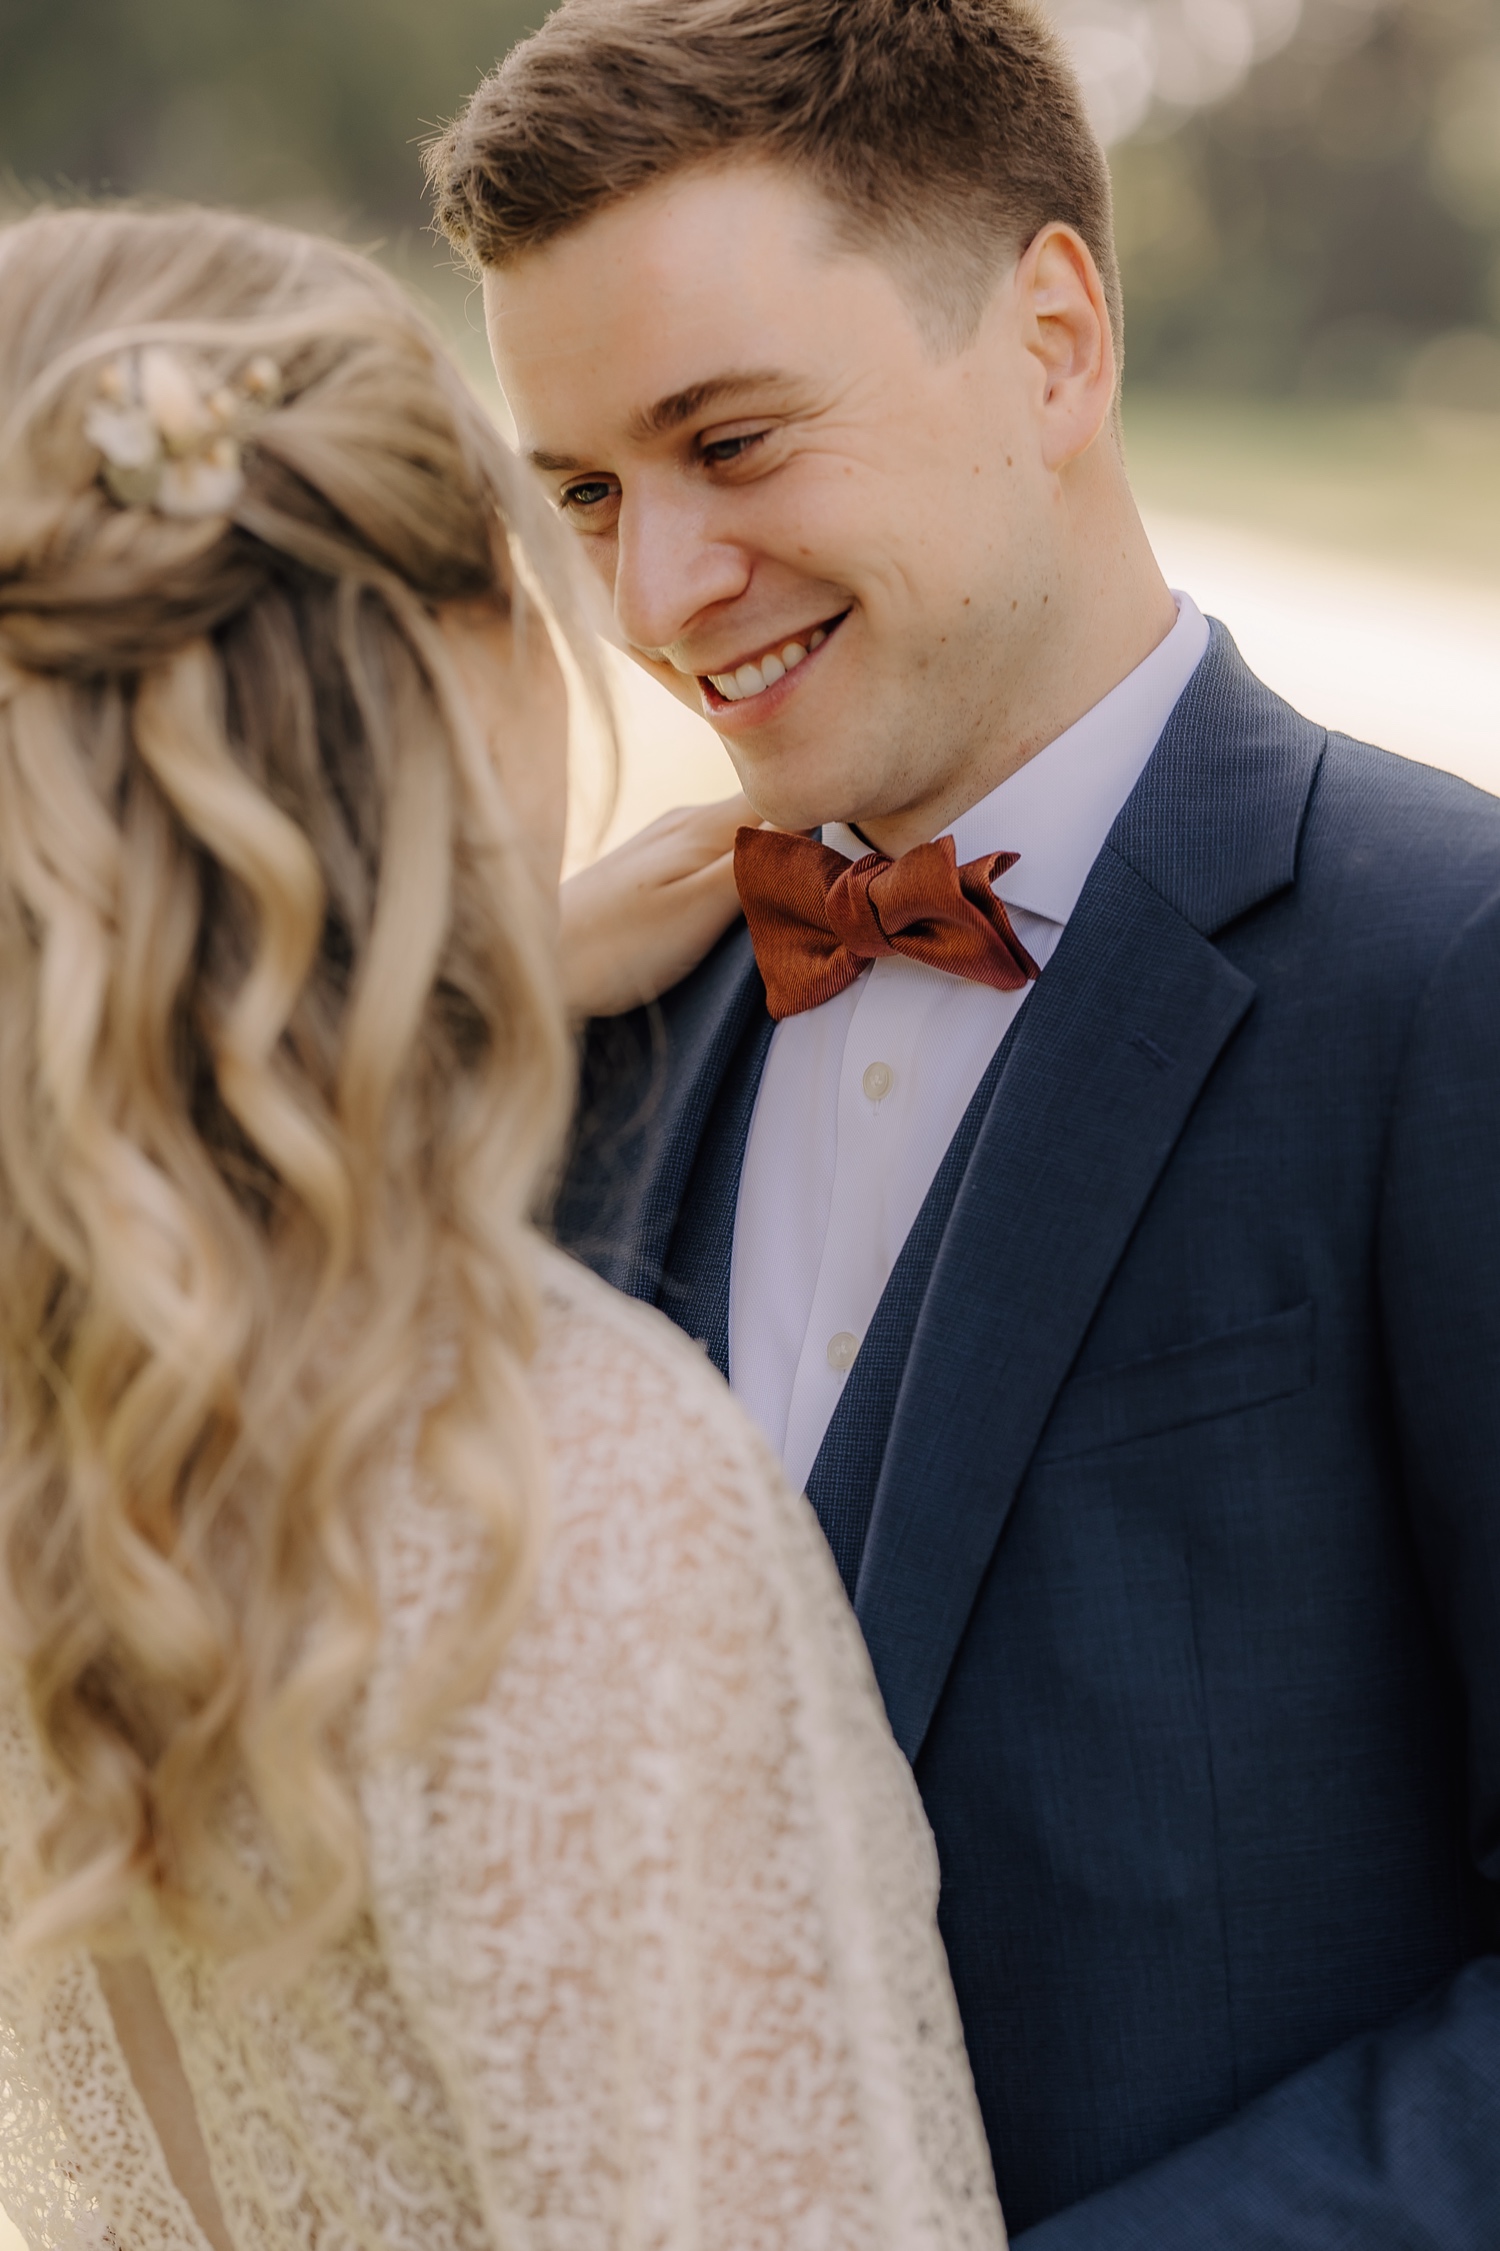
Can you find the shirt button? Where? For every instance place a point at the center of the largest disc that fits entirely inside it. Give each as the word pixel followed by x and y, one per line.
pixel 878 1081
pixel 841 1351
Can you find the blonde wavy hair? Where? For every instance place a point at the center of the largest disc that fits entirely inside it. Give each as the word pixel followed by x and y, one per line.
pixel 282 1065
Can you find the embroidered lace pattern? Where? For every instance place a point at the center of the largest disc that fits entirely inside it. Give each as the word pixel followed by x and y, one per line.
pixel 650 1962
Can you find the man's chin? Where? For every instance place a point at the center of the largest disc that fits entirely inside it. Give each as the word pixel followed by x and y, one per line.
pixel 799 804
pixel 787 780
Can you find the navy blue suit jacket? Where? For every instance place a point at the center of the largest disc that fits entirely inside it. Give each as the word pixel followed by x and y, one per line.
pixel 1180 1564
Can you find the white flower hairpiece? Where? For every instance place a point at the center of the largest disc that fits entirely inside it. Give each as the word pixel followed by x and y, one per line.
pixel 168 440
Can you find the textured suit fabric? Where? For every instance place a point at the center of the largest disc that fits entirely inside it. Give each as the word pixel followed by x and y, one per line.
pixel 1182 1571
pixel 695 1291
pixel 694 1287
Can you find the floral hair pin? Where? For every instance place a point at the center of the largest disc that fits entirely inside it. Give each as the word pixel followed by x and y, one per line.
pixel 168 440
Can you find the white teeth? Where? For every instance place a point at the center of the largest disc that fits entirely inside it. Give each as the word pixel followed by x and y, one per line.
pixel 753 679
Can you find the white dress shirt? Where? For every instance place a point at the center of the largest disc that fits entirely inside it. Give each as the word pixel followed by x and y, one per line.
pixel 860 1097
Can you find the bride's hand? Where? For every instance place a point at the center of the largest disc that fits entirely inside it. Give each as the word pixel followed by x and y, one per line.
pixel 647 913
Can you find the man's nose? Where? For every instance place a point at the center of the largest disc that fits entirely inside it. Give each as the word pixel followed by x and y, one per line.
pixel 670 566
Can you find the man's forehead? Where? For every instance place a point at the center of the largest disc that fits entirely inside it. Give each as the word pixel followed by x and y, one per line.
pixel 626 319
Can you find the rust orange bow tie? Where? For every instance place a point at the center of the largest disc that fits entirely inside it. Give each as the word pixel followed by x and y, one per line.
pixel 817 920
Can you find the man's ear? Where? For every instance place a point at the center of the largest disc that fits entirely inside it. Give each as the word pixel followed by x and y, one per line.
pixel 1065 325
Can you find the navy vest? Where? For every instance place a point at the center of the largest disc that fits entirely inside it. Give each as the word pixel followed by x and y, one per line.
pixel 696 1279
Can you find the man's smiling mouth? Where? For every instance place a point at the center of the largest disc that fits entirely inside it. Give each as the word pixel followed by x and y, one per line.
pixel 754 675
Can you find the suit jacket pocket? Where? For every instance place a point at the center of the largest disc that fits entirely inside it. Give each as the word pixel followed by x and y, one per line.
pixel 1220 1375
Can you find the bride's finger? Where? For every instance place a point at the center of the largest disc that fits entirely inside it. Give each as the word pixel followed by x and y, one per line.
pixel 643 916
pixel 700 833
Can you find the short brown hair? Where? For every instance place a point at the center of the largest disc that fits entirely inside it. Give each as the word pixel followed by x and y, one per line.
pixel 955 123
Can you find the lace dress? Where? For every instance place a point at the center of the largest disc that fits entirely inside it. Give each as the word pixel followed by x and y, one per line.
pixel 650 1960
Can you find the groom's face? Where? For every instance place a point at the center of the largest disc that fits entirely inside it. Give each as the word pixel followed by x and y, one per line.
pixel 816 524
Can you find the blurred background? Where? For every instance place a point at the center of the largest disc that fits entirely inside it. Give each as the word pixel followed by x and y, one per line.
pixel 1309 213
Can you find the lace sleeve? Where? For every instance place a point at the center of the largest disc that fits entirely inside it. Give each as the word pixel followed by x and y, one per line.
pixel 81 2168
pixel 663 1902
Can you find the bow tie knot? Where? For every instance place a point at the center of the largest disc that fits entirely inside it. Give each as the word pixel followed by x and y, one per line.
pixel 817 920
pixel 853 914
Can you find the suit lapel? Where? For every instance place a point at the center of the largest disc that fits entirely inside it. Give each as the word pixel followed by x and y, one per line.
pixel 1114 1045
pixel 648 1083
pixel 1109 1057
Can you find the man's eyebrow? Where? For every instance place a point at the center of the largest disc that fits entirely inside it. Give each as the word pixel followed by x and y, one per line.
pixel 670 413
pixel 682 406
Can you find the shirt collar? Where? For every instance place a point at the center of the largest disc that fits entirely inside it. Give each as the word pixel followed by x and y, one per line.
pixel 1058 808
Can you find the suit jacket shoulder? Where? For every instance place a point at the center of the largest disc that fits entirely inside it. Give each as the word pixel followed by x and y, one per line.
pixel 1246 802
pixel 1409 841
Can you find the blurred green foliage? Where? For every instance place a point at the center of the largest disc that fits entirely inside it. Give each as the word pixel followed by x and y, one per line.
pixel 307 108
pixel 1332 230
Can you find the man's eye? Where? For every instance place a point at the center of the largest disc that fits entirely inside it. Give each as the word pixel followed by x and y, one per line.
pixel 718 451
pixel 591 494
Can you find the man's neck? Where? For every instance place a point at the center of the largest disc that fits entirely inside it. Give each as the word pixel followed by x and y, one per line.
pixel 1111 609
